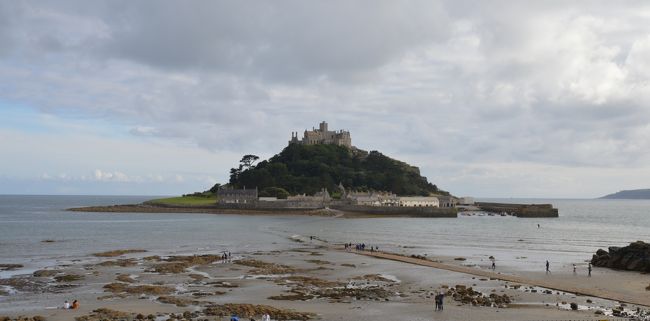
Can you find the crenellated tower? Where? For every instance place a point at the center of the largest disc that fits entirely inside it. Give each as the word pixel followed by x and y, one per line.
pixel 322 135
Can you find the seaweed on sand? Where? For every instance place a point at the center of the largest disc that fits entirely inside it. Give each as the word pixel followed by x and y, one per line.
pixel 251 310
pixel 262 267
pixel 138 289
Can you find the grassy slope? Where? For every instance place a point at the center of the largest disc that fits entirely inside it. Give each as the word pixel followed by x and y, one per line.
pixel 184 201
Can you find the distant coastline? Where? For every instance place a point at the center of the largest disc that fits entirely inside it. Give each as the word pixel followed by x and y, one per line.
pixel 633 194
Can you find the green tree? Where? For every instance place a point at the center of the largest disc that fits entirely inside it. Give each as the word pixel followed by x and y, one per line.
pixel 214 188
pixel 308 168
pixel 278 192
pixel 248 160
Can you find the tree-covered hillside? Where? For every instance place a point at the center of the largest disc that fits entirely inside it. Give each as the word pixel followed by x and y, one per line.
pixel 308 168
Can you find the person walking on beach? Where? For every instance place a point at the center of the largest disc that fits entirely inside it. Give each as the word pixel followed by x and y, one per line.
pixel 266 317
pixel 547 267
pixel 436 299
pixel 441 299
pixel 494 265
pixel 574 269
pixel 589 269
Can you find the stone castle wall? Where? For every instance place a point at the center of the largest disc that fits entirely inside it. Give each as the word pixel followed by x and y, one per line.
pixel 341 206
pixel 322 135
pixel 279 205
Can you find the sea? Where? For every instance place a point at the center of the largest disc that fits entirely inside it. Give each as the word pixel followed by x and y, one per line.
pixel 38 232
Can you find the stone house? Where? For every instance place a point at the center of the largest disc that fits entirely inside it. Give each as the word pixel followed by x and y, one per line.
pixel 237 196
pixel 447 201
pixel 419 201
pixel 373 198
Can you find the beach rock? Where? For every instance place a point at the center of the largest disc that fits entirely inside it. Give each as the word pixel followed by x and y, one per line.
pixel 467 295
pixel 250 310
pixel 22 318
pixel 45 273
pixel 10 267
pixel 634 257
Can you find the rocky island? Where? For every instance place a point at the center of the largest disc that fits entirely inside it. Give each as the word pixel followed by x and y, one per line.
pixel 322 173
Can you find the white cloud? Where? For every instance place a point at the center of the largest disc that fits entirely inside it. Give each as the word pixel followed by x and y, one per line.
pixel 113 176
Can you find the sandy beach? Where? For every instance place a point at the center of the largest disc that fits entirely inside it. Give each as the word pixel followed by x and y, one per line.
pixel 312 279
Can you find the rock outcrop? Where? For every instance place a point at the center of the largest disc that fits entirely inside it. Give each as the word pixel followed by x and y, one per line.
pixel 634 257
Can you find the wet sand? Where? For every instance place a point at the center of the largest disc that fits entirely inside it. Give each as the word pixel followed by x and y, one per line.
pixel 627 287
pixel 312 277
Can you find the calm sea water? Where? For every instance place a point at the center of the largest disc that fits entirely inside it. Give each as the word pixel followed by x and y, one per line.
pixel 582 228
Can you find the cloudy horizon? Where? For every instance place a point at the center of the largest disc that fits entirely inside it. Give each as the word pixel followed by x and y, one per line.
pixel 545 99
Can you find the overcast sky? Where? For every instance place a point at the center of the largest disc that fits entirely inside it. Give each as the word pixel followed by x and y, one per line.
pixel 488 98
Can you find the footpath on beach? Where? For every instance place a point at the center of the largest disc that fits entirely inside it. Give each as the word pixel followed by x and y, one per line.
pixel 550 284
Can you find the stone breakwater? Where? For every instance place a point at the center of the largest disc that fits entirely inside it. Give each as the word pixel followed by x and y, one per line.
pixel 257 209
pixel 145 208
pixel 398 211
pixel 520 210
pixel 634 257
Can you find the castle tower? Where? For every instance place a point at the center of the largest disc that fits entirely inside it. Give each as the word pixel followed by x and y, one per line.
pixel 322 135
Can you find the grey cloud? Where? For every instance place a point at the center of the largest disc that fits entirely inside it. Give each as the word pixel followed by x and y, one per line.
pixel 555 83
pixel 283 40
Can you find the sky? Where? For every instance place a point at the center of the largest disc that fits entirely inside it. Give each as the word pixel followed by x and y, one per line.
pixel 545 99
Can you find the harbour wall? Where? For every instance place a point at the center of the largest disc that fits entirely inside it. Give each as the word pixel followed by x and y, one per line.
pixel 399 210
pixel 520 210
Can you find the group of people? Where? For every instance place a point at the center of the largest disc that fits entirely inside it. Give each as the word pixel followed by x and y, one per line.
pixel 226 256
pixel 439 299
pixel 360 247
pixel 265 317
pixel 74 305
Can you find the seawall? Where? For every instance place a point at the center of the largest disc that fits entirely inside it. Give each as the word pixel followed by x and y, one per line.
pixel 520 210
pixel 398 211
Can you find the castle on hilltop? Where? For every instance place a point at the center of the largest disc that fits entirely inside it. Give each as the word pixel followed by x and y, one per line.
pixel 322 136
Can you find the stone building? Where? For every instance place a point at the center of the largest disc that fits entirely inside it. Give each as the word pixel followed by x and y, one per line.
pixel 466 200
pixel 322 135
pixel 321 197
pixel 447 201
pixel 372 198
pixel 419 201
pixel 237 196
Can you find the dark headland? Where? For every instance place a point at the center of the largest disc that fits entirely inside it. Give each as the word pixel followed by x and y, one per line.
pixel 632 194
